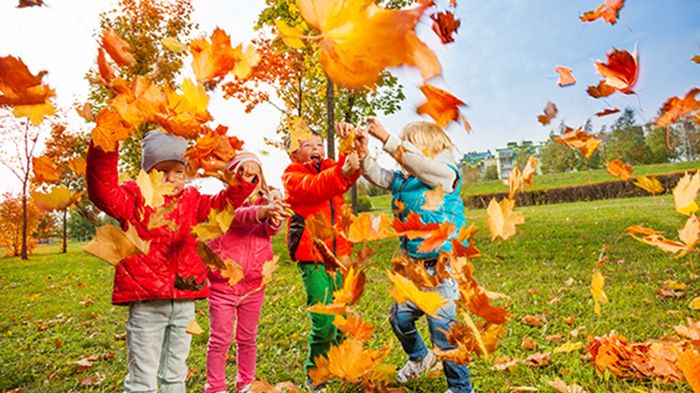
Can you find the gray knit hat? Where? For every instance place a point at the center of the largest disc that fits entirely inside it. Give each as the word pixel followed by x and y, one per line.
pixel 158 146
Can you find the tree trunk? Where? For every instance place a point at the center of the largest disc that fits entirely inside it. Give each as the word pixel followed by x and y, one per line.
pixel 65 230
pixel 348 119
pixel 330 118
pixel 24 253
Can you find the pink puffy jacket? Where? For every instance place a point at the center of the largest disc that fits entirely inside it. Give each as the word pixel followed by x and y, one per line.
pixel 248 243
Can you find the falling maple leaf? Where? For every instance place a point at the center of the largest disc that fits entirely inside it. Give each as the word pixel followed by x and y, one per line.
pixel 35 113
pixel 368 227
pixel 105 71
pixel 44 170
pixel 19 86
pixel 620 73
pixel 114 245
pixel 354 326
pixel 444 25
pixel 650 184
pixel 154 188
pixel 173 44
pixel 609 11
pixel 346 145
pixel 30 3
pixel 619 169
pixel 434 198
pixel 328 309
pixel 193 328
pixel 597 284
pixel 140 101
pixel 353 286
pixel 475 298
pixel 268 269
pixel 246 59
pixel 218 223
pixel 110 128
pixel 290 35
pixel 566 78
pixel 185 113
pixel 299 131
pixel 118 49
pixel 517 179
pixel 675 107
pixel 212 60
pixel 59 198
pixel 212 150
pixel 607 111
pixel 330 262
pixel 434 240
pixel 696 59
pixel 502 219
pixel 550 112
pixel 577 138
pixel 405 290
pixel 685 193
pixel 319 227
pixel 416 272
pixel 442 106
pixel 359 39
pixel 77 165
pixel 233 271
pixel 85 111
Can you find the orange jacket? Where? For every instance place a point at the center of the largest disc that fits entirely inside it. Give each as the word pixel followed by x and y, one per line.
pixel 311 190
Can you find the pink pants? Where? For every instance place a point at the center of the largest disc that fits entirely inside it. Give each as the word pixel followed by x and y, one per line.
pixel 225 310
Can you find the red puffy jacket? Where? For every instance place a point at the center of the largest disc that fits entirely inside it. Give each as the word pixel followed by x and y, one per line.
pixel 172 269
pixel 311 190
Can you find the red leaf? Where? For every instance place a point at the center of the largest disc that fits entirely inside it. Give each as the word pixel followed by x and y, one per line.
pixel 444 24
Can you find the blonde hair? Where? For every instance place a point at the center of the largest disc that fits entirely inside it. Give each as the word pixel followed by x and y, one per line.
pixel 428 136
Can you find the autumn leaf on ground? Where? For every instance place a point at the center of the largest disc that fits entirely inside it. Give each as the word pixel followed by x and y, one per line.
pixel 153 187
pixel 444 25
pixel 550 112
pixel 534 320
pixel 405 290
pixel 233 271
pixel 577 138
pixel 35 113
pixel 502 219
pixel 261 386
pixel 114 245
pixel 685 193
pixel 172 44
pixel 690 332
pixel 561 387
pixel 650 184
pixel 566 78
pixel 689 363
pixel 217 224
pixel 246 59
pixel 538 359
pixel 19 86
pixel 505 363
pixel 597 284
pixel 695 305
pixel 44 170
pixel 619 169
pixel 568 347
pixel 354 327
pixel 359 39
pixel 110 128
pixel 675 108
pixel 118 49
pixel 442 106
pixel 607 111
pixel 609 11
pixel 620 73
pixel 193 328
pixel 353 286
pixel 212 60
pixel 528 344
pixel 59 198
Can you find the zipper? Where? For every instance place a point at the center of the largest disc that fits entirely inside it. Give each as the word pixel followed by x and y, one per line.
pixel 333 225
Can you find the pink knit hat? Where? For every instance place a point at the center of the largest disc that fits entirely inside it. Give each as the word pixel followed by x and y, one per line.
pixel 246 156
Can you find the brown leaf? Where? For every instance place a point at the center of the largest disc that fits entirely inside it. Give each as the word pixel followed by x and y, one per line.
pixel 535 321
pixel 550 112
pixel 538 359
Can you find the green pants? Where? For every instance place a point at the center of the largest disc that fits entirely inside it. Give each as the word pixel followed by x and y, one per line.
pixel 319 288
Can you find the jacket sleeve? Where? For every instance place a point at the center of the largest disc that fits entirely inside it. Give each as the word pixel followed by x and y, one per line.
pixel 312 188
pixel 246 215
pixel 380 177
pixel 431 171
pixel 103 184
pixel 270 229
pixel 232 195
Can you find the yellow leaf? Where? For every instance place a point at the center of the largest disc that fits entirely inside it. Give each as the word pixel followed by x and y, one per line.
pixel 597 284
pixel 109 129
pixel 695 303
pixel 298 132
pixel 157 219
pixel 685 193
pixel 502 219
pixel 193 328
pixel 369 227
pixel 153 187
pixel 434 198
pixel 172 44
pixel 246 60
pixel 650 184
pixel 58 198
pixel 268 268
pixel 674 285
pixel 353 286
pixel 114 245
pixel 289 34
pixel 568 347
pixel 405 290
pixel 217 224
pixel 348 361
pixel 233 271
pixel 44 170
pixel 35 113
pixel 328 309
pixel 346 145
pixel 77 165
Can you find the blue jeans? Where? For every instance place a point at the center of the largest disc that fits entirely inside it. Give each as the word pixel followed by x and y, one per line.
pixel 158 345
pixel 403 321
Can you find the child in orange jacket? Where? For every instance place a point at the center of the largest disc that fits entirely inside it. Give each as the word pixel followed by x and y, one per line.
pixel 315 184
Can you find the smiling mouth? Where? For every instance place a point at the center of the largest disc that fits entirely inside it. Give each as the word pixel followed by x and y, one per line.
pixel 316 158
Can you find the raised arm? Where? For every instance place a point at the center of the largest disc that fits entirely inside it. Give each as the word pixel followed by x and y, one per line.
pixel 431 171
pixel 375 174
pixel 232 195
pixel 304 187
pixel 103 184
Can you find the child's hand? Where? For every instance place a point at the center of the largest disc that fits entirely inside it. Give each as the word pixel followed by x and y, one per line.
pixel 343 129
pixel 361 143
pixel 351 165
pixel 376 129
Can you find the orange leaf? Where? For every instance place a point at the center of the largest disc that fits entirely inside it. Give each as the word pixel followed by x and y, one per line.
pixel 233 271
pixel 19 86
pixel 674 108
pixel 398 207
pixel 413 226
pixel 620 72
pixel 435 239
pixel 353 286
pixel 517 180
pixel 211 60
pixel 77 165
pixel 689 363
pixel 538 359
pixel 444 25
pixel 601 90
pixel 476 299
pixel 618 169
pixel 140 102
pixel 652 185
pixel 368 227
pixel 328 309
pixel 502 219
pixel 434 198
pixel 104 69
pixel 638 229
pixel 185 113
pixel 319 227
pixel 44 170
pixel 118 49
pixel 359 39
pixel 405 290
pixel 58 198
pixel 550 111
pixel 354 326
pixel 566 78
pixel 441 106
pixel 110 128
pixel 607 111
pixel 586 143
pixel 609 11
pixel 85 111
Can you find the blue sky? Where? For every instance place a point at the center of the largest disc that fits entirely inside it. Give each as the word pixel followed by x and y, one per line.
pixel 502 63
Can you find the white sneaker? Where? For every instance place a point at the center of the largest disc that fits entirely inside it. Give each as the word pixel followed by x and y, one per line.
pixel 245 389
pixel 413 369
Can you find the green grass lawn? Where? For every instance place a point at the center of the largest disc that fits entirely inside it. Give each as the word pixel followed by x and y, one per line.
pixel 45 330
pixel 553 180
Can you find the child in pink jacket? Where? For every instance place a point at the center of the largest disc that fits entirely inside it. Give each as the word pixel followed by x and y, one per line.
pixel 248 243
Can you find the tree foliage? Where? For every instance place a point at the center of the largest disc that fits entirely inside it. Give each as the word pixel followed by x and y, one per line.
pixel 11 224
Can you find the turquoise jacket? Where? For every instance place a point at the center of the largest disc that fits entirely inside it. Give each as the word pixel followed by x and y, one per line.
pixel 411 191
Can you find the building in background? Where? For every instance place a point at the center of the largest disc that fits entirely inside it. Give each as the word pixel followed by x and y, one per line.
pixel 506 157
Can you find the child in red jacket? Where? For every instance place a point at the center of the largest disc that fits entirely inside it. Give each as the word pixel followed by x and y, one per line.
pixel 159 287
pixel 315 184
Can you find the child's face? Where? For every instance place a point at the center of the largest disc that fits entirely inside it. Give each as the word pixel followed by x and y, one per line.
pixel 251 172
pixel 175 172
pixel 310 150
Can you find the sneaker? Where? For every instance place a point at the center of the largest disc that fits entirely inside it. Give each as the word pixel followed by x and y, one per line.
pixel 413 369
pixel 245 389
pixel 320 388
